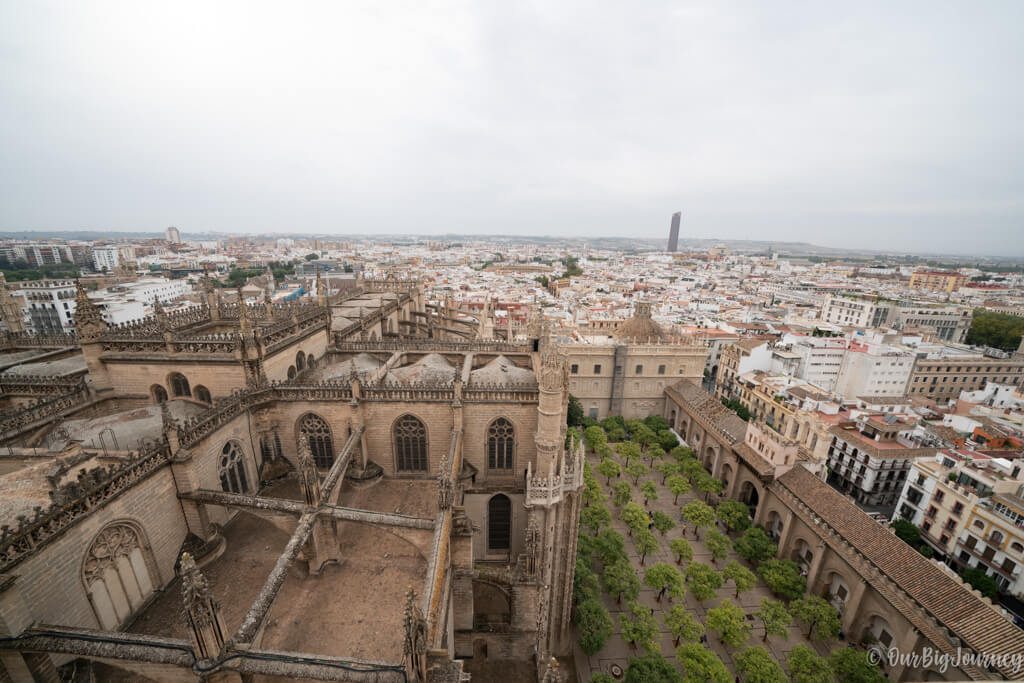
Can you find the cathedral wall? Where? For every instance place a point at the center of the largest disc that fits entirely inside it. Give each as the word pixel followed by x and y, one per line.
pixel 380 417
pixel 477 417
pixel 206 461
pixel 137 377
pixel 476 509
pixel 275 366
pixel 51 582
pixel 339 416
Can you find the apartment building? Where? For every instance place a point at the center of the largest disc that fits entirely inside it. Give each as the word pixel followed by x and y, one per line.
pixel 106 257
pixel 874 370
pixel 869 461
pixel 738 358
pixel 993 540
pixel 50 305
pixel 937 281
pixel 948 322
pixel 942 491
pixel 942 376
pixel 821 359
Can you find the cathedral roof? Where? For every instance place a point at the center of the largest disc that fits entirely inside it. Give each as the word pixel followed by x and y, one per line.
pixel 432 368
pixel 501 371
pixel 640 327
pixel 362 364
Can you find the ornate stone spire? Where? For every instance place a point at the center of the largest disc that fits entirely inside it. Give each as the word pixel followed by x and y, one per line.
pixel 553 674
pixel 200 610
pixel 159 314
pixel 532 543
pixel 244 320
pixel 445 488
pixel 10 309
pixel 321 289
pixel 89 323
pixel 309 478
pixel 415 646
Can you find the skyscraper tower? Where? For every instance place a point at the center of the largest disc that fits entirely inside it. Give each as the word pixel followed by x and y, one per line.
pixel 673 233
pixel 173 236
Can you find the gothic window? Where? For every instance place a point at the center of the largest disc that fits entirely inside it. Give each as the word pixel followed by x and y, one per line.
pixel 179 385
pixel 499 522
pixel 159 393
pixel 116 574
pixel 300 361
pixel 410 445
pixel 315 430
pixel 270 447
pixel 291 372
pixel 501 445
pixel 203 394
pixel 232 469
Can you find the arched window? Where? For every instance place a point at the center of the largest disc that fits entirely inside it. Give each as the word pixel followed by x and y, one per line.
pixel 1016 547
pixel 410 445
pixel 995 537
pixel 501 445
pixel 179 385
pixel 978 524
pixel 300 361
pixel 117 575
pixel 159 393
pixel 318 435
pixel 499 523
pixel 291 372
pixel 203 394
pixel 232 469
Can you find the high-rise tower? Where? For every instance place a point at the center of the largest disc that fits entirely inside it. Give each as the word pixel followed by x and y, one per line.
pixel 673 233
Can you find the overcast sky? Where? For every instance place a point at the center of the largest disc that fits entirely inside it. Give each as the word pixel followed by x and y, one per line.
pixel 894 125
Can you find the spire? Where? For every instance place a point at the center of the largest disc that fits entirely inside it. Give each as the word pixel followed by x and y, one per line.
pixel 321 289
pixel 309 479
pixel 415 646
pixel 89 323
pixel 10 309
pixel 200 610
pixel 244 321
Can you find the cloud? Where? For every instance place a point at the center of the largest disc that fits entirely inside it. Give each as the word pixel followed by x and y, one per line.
pixel 846 125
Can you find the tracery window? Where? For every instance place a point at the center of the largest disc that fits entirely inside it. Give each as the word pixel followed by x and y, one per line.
pixel 116 575
pixel 179 385
pixel 203 394
pixel 501 445
pixel 232 469
pixel 410 444
pixel 318 435
pixel 499 522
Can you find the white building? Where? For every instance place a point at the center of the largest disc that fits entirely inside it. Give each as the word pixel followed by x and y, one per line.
pixel 173 235
pixel 873 370
pixel 134 300
pixel 106 257
pixel 50 305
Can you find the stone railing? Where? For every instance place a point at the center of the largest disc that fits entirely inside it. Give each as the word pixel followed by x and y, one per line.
pixel 39 384
pixel 17 340
pixel 429 345
pixel 549 489
pixel 13 423
pixel 480 393
pixel 414 391
pixel 280 333
pixel 73 501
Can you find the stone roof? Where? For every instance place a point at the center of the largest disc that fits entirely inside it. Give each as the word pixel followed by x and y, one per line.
pixel 23 490
pixel 501 371
pixel 722 418
pixel 955 606
pixel 50 368
pixel 432 368
pixel 130 427
pixel 641 328
pixel 362 364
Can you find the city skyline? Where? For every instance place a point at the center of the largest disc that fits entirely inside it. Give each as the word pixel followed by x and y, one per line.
pixel 851 129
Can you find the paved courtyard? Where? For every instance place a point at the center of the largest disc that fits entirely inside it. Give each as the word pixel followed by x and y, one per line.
pixel 616 651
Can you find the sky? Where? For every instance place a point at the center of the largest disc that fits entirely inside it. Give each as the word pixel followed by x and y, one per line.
pixel 876 125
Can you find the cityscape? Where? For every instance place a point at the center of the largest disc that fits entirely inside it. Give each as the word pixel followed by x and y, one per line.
pixel 442 342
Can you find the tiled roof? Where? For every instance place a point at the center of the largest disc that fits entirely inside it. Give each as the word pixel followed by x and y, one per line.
pixel 711 409
pixel 955 606
pixel 896 451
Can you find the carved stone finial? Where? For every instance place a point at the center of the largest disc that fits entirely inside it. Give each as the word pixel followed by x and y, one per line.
pixel 244 321
pixel 445 487
pixel 415 644
pixel 200 610
pixel 89 323
pixel 309 479
pixel 532 543
pixel 553 674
